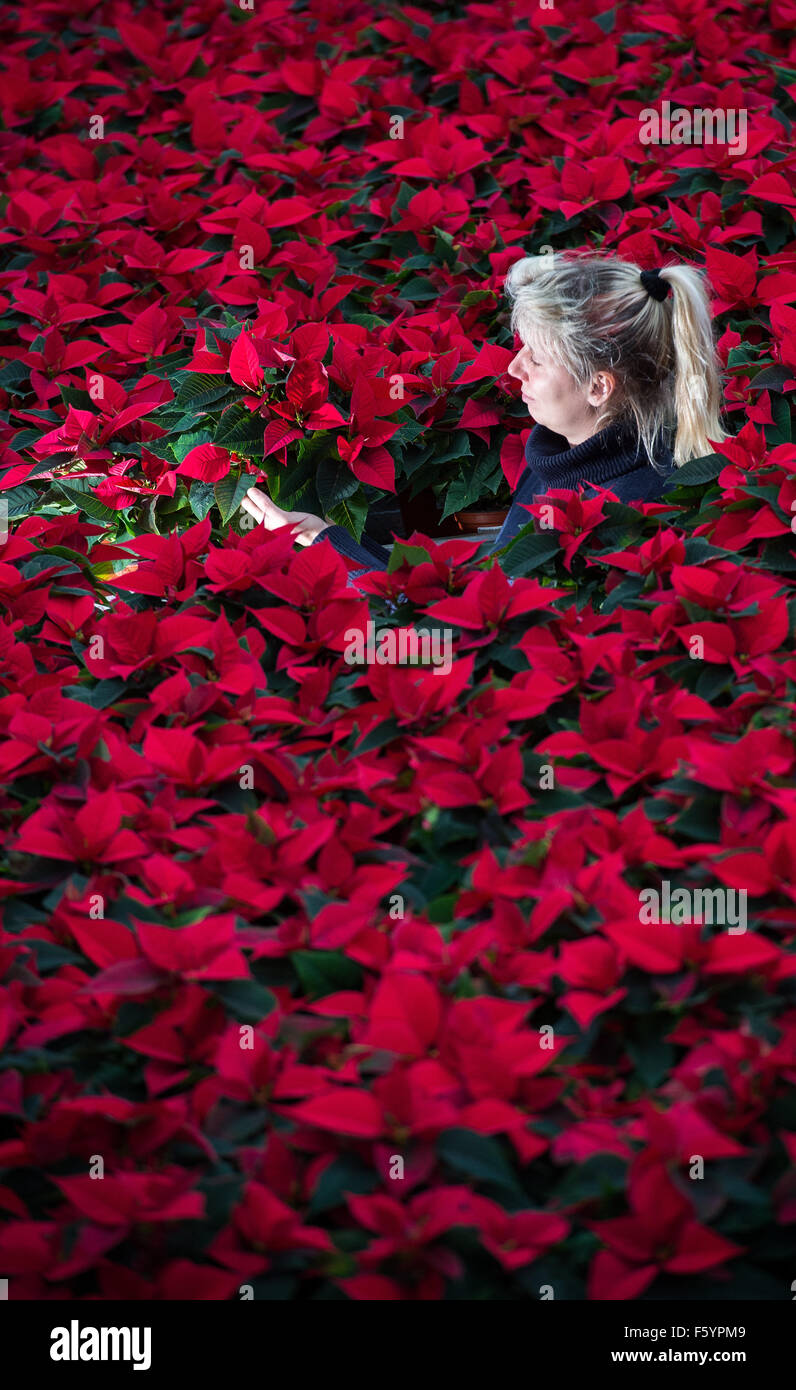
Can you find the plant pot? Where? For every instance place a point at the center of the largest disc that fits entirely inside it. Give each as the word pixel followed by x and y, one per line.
pixel 470 522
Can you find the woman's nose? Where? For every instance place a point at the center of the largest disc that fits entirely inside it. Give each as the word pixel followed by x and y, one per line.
pixel 515 366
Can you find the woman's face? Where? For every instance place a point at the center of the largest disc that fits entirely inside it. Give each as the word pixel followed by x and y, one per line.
pixel 554 398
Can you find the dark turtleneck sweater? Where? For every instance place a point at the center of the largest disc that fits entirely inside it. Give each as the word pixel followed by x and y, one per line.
pixel 612 459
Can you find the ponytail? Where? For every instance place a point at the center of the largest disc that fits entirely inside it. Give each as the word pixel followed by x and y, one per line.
pixel 697 382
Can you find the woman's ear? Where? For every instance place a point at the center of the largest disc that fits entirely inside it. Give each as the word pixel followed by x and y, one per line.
pixel 601 388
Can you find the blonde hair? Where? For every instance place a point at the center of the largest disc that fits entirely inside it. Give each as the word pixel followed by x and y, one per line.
pixel 591 313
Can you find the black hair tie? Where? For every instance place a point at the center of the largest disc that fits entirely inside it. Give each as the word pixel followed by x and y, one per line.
pixel 654 285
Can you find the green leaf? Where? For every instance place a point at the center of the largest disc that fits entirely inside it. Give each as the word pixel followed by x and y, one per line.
pixel 379 735
pixel 371 321
pixel 471 485
pixel 780 431
pixel 335 482
pixel 325 972
pixel 476 297
pixel 555 32
pixel 653 1058
pixel 99 696
pixel 80 494
pixel 76 396
pixel 314 900
pixel 402 200
pixel 778 555
pixel 24 438
pixel 230 492
pixel 21 501
pixel 599 1176
pixel 606 21
pixel 407 433
pixel 12 374
pixel 246 1000
pixel 199 389
pixel 411 554
pixel 418 289
pixel 443 248
pixel 529 552
pixel 696 472
pixel 633 40
pixel 182 447
pixel 698 551
pixel 742 356
pixel 50 956
pixel 773 378
pixel 732 1183
pixel 712 680
pixel 240 430
pixel 352 514
pixel 698 821
pixel 347 1173
pixel 482 1159
pixel 450 447
pixel 624 595
pixel 201 498
pixel 286 485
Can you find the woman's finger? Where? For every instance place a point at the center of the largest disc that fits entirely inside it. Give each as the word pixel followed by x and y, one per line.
pixel 252 508
pixel 264 510
pixel 255 494
pixel 254 502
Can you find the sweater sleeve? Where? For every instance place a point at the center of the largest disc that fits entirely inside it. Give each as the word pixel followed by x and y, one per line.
pixel 367 553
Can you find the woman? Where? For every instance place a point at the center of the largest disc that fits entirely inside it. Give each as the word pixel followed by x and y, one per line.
pixel 618 369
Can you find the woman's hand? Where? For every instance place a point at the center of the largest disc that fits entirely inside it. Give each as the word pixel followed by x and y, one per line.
pixel 259 505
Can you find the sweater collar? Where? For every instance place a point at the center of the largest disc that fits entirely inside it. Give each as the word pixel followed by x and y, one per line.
pixel 605 455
